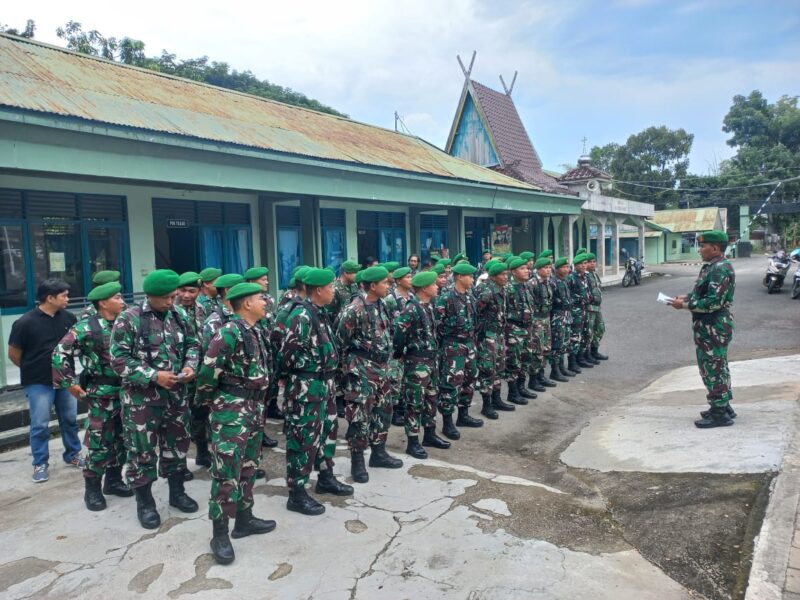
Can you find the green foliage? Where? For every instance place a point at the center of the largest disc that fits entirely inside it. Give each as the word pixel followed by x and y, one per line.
pixel 30 29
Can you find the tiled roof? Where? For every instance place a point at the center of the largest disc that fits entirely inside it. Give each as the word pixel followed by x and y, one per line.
pixel 518 157
pixel 583 172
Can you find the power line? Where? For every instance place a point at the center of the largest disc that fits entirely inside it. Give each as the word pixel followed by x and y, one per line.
pixel 720 189
pixel 696 177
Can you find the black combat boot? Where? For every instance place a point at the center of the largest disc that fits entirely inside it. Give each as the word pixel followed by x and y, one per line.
pixel 449 429
pixel 273 411
pixel 268 442
pixel 728 411
pixel 399 415
pixel 499 404
pixel 717 417
pixel 533 381
pixel 596 354
pixel 543 380
pixel 328 484
pixel 177 495
pixel 221 545
pixel 203 458
pixel 488 410
pixel 246 524
pixel 555 372
pixel 93 497
pixel 113 484
pixel 581 362
pixel 357 468
pixel 381 459
pixel 146 507
pixel 572 365
pixel 564 369
pixel 187 474
pixel 466 420
pixel 588 358
pixel 299 501
pixel 340 407
pixel 432 440
pixel 414 449
pixel 261 474
pixel 524 392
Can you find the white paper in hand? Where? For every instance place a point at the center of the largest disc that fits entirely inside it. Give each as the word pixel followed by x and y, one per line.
pixel 664 299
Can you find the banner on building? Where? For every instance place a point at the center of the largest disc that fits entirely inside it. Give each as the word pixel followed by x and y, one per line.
pixel 501 239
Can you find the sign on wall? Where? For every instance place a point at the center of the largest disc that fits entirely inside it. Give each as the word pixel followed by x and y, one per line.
pixel 501 239
pixel 177 223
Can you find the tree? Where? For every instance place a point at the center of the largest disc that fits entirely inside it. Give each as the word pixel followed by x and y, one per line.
pixel 601 157
pixel 30 29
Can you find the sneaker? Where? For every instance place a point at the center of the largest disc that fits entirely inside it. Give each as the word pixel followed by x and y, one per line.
pixel 77 461
pixel 40 474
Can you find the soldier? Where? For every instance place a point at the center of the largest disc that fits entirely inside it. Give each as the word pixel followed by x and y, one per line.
pixel 542 295
pixel 224 312
pixel 99 278
pixel 208 293
pixel 415 344
pixel 547 253
pixel 530 259
pixel 486 256
pixel 576 281
pixel 712 325
pixel 365 339
pixel 344 287
pixel 89 340
pixel 491 305
pixel 155 353
pixel 232 382
pixel 598 325
pixel 560 321
pixel 441 277
pixel 400 294
pixel 457 328
pixel 518 332
pixel 309 360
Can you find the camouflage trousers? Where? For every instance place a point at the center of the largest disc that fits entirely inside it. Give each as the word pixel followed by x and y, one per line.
pixel 147 426
pixel 491 361
pixel 599 329
pixel 311 426
pixel 518 357
pixel 588 330
pixel 198 412
pixel 367 403
pixel 540 343
pixel 105 446
pixel 560 324
pixel 420 392
pixel 577 331
pixel 236 430
pixel 395 374
pixel 711 338
pixel 458 372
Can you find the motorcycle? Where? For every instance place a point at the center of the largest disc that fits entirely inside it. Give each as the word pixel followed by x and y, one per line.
pixel 633 270
pixel 777 268
pixel 796 285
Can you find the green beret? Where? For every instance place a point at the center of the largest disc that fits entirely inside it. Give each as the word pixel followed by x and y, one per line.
pixel 296 269
pixel 190 278
pixel 517 262
pixel 102 277
pixel 350 266
pixel 104 291
pixel 464 269
pixel 318 277
pixel 358 276
pixel 580 251
pixel 210 274
pixel 374 274
pixel 579 258
pixel 507 255
pixel 444 262
pixel 228 280
pixel 424 279
pixel 546 254
pixel 241 290
pixel 332 270
pixel 591 256
pixel 299 273
pixel 496 268
pixel 255 272
pixel 160 282
pixel 459 257
pixel 715 236
pixel 527 255
pixel 542 262
pixel 489 263
pixel 561 262
pixel 391 266
pixel 438 269
pixel 401 272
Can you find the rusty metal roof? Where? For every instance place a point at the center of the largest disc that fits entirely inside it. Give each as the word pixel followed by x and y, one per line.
pixel 687 219
pixel 48 79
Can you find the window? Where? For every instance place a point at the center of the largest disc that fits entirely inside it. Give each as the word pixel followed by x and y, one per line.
pixel 433 230
pixel 334 238
pixel 61 235
pixel 381 236
pixel 290 242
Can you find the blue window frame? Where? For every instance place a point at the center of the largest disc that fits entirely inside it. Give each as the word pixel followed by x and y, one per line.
pixel 381 235
pixel 334 237
pixel 433 235
pixel 290 242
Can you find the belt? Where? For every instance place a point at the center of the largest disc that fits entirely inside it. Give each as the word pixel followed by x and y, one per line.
pixel 541 315
pixel 709 316
pixel 378 357
pixel 421 354
pixel 242 392
pixel 321 375
pixel 105 380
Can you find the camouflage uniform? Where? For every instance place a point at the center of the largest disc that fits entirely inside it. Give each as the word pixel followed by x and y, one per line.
pixel 276 337
pixel 415 340
pixel 597 324
pixel 364 337
pixel 198 426
pixel 580 303
pixel 541 336
pixel 560 317
pixel 457 329
pixel 232 381
pixel 89 340
pixel 208 304
pixel 395 369
pixel 712 326
pixel 518 329
pixel 308 360
pixel 152 415
pixel 491 310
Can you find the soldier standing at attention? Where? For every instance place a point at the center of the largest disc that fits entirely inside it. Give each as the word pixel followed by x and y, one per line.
pixel 395 368
pixel 542 295
pixel 401 293
pixel 560 321
pixel 99 278
pixel 457 328
pixel 155 353
pixel 518 332
pixel 598 326
pixel 89 340
pixel 223 314
pixel 576 281
pixel 441 277
pixel 208 293
pixel 309 361
pixel 486 256
pixel 343 289
pixel 491 306
pixel 232 381
pixel 415 343
pixel 364 337
pixel 712 326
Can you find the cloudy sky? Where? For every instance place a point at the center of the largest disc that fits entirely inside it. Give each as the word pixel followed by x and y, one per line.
pixel 602 69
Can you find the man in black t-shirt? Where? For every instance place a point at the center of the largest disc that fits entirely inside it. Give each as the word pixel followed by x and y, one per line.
pixel 30 347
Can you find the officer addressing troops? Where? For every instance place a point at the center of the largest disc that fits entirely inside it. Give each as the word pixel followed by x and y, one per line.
pixel 232 381
pixel 89 341
pixel 712 326
pixel 155 353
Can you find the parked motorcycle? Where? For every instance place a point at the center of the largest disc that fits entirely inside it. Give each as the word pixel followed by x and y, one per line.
pixel 796 285
pixel 633 270
pixel 777 268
